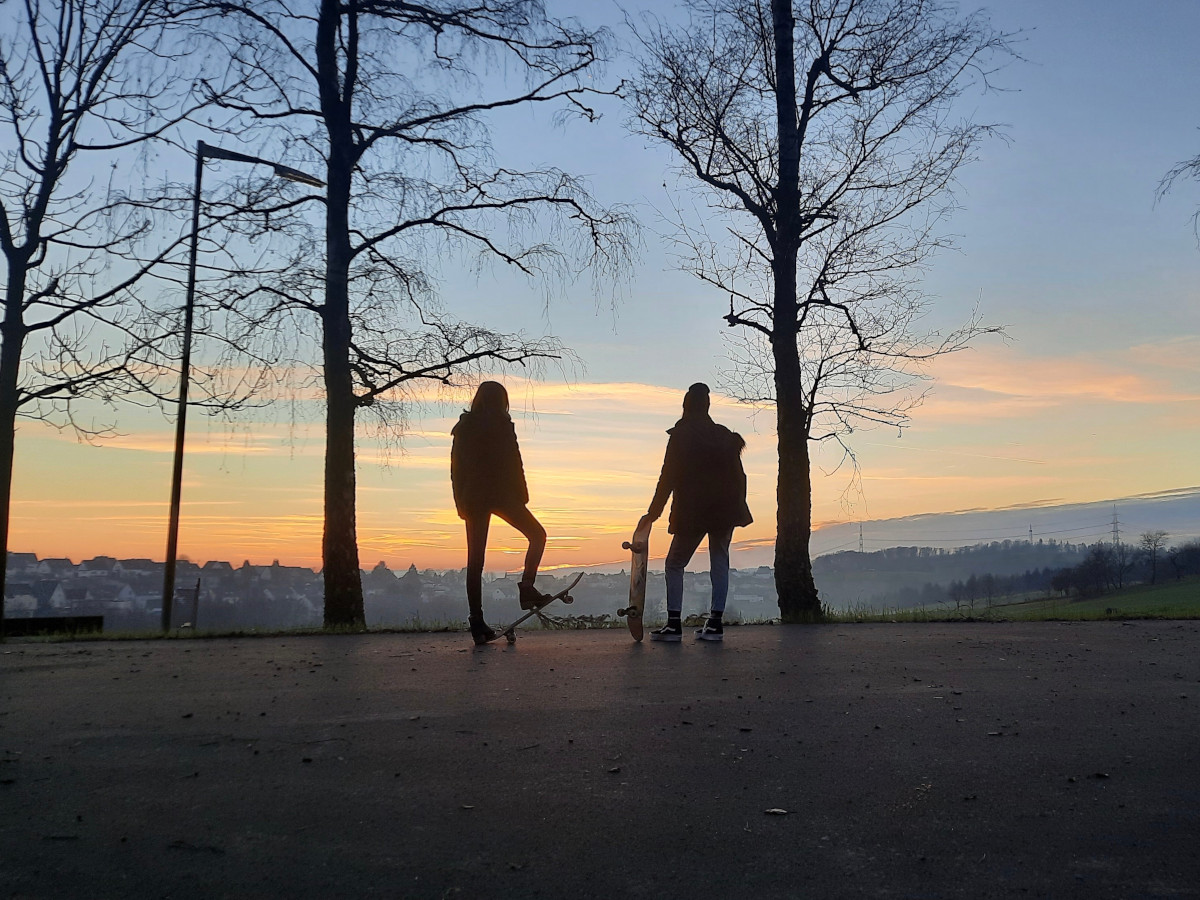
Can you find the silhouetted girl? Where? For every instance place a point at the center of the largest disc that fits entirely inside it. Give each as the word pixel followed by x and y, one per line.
pixel 489 479
pixel 703 470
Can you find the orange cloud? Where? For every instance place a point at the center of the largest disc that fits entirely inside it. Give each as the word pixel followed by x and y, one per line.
pixel 1180 353
pixel 1002 382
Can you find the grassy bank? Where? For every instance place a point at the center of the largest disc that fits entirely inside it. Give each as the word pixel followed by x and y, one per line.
pixel 1167 600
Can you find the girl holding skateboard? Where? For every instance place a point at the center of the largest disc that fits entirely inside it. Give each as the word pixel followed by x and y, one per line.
pixel 703 471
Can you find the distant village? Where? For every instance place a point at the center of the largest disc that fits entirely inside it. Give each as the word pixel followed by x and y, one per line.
pixel 218 595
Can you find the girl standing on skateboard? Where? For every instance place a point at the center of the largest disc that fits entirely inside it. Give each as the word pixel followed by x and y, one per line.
pixel 488 479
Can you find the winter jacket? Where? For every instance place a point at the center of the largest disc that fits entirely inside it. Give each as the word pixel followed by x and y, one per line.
pixel 485 465
pixel 703 469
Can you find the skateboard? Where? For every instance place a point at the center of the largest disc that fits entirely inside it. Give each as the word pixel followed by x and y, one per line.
pixel 640 547
pixel 510 631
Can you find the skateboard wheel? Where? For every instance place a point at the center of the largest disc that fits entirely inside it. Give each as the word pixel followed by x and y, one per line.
pixel 625 545
pixel 510 637
pixel 568 599
pixel 622 611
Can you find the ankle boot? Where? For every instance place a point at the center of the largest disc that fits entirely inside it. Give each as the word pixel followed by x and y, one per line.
pixel 529 596
pixel 481 632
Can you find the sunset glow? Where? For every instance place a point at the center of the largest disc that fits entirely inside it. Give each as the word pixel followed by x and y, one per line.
pixel 1000 430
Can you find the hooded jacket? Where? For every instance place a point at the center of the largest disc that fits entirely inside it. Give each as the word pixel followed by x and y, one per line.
pixel 485 465
pixel 702 468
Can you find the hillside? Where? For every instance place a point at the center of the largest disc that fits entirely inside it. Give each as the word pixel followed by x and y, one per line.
pixel 1173 599
pixel 1175 511
pixel 901 577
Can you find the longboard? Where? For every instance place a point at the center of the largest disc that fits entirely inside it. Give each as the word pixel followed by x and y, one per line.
pixel 510 631
pixel 639 546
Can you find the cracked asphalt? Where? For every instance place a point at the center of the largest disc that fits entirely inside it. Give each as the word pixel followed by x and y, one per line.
pixel 905 761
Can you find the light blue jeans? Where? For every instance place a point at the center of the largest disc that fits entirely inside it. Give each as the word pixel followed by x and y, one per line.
pixel 683 545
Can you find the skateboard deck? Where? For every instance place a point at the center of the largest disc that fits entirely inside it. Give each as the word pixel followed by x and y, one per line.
pixel 639 546
pixel 509 632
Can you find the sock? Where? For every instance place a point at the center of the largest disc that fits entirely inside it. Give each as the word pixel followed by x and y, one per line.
pixel 673 618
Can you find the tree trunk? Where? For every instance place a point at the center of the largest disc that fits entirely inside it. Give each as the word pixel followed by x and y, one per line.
pixel 11 343
pixel 798 601
pixel 339 545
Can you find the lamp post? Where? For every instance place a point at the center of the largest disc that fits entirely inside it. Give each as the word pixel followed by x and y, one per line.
pixel 203 151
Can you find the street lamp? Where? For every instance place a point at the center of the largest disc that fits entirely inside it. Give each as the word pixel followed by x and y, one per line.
pixel 203 151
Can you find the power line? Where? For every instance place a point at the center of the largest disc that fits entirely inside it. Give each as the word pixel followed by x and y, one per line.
pixel 996 533
pixel 836 547
pixel 981 537
pixel 1089 533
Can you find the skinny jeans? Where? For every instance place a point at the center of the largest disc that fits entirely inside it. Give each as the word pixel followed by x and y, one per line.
pixel 477 523
pixel 683 546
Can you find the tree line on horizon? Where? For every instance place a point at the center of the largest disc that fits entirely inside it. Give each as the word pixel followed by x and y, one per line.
pixel 823 138
pixel 961 578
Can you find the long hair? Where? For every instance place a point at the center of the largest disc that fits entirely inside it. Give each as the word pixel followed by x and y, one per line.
pixel 490 399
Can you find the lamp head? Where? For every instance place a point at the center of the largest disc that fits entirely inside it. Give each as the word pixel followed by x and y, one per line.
pixel 208 151
pixel 296 175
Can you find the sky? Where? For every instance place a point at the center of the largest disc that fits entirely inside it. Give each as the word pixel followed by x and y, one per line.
pixel 1090 398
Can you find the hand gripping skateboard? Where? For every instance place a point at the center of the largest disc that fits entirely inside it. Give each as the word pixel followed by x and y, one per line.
pixel 510 631
pixel 640 547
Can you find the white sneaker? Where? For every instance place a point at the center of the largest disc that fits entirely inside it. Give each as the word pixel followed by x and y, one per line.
pixel 712 631
pixel 670 633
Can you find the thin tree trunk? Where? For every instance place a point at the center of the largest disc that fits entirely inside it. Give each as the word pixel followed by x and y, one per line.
pixel 798 601
pixel 339 545
pixel 13 339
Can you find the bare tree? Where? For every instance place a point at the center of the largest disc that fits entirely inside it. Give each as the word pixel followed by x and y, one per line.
pixel 822 132
pixel 387 94
pixel 1188 169
pixel 79 79
pixel 1153 543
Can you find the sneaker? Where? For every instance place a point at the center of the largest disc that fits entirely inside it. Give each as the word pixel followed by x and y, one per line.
pixel 481 632
pixel 711 631
pixel 530 597
pixel 672 631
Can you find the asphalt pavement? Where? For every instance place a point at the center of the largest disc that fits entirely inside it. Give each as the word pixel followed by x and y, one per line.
pixel 898 761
